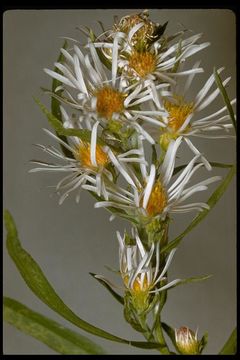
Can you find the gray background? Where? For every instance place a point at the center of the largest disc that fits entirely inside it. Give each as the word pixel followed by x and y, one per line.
pixel 71 240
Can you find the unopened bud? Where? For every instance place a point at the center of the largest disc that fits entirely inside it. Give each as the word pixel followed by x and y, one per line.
pixel 166 138
pixel 186 341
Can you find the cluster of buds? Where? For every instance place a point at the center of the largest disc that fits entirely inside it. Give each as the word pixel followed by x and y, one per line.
pixel 115 116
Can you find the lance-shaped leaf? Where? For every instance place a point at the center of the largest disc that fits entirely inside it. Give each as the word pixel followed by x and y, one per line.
pixel 171 334
pixel 55 104
pixel 108 287
pixel 40 286
pixel 211 202
pixel 100 53
pixel 230 347
pixel 225 98
pixel 83 134
pixel 191 279
pixel 203 342
pixel 51 333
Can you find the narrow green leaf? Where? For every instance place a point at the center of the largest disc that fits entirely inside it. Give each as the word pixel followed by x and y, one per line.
pixel 192 279
pixel 171 334
pixel 54 335
pixel 225 98
pixel 83 134
pixel 55 105
pixel 213 164
pixel 216 195
pixel 108 287
pixel 203 342
pixel 178 53
pixel 40 286
pixel 104 59
pixel 230 347
pixel 101 55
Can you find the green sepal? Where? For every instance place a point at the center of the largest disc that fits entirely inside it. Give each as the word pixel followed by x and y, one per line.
pixel 129 313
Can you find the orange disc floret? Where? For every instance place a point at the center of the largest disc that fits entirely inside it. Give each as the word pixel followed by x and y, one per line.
pixel 83 154
pixel 109 101
pixel 178 113
pixel 137 286
pixel 157 200
pixel 142 62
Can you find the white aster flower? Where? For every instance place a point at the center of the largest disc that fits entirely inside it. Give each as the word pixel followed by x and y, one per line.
pixel 183 115
pixel 100 96
pixel 139 275
pixel 141 60
pixel 156 195
pixel 89 167
pixel 155 64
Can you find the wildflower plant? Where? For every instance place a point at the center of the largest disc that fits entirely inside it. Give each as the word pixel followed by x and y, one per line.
pixel 121 118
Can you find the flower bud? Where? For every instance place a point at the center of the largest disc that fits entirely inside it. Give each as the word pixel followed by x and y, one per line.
pixel 166 138
pixel 186 341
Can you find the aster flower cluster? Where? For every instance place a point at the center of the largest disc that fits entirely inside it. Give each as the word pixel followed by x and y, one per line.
pixel 125 116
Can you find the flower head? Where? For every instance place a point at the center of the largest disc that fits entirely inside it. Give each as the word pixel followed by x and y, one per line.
pixel 146 33
pixel 100 96
pixel 139 275
pixel 89 166
pixel 155 195
pixel 187 341
pixel 183 115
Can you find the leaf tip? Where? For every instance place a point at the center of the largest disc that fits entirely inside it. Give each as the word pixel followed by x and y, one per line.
pixel 7 217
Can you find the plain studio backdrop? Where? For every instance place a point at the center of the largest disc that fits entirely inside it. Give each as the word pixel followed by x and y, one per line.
pixel 71 240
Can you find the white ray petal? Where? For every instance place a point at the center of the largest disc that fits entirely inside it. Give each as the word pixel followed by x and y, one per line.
pixel 94 144
pixel 150 183
pixel 59 77
pixel 168 262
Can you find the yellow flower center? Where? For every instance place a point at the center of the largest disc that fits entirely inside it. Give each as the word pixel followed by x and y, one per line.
pixel 109 101
pixel 139 292
pixel 178 113
pixel 83 154
pixel 157 200
pixel 137 287
pixel 142 62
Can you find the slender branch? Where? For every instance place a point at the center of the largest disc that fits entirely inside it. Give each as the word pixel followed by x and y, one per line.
pixel 159 337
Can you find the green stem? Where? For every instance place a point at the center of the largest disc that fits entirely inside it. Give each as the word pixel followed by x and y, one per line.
pixel 142 321
pixel 159 337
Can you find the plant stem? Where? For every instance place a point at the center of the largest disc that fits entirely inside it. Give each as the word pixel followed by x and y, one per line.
pixel 142 322
pixel 149 336
pixel 160 337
